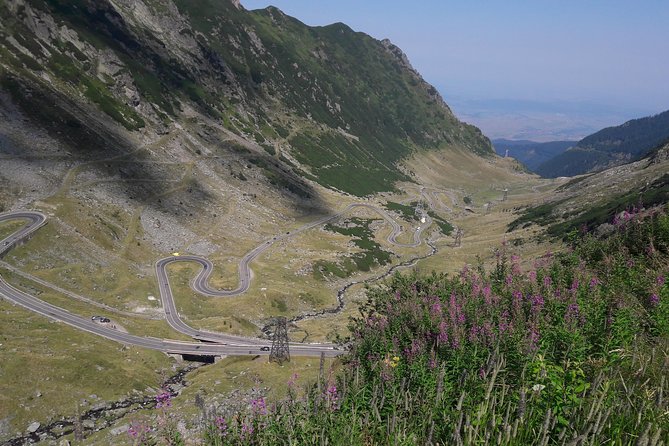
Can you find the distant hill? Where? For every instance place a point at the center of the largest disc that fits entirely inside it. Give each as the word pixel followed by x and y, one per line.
pixel 609 147
pixel 531 153
pixel 590 201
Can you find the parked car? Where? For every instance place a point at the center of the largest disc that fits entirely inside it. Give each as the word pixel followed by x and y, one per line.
pixel 264 348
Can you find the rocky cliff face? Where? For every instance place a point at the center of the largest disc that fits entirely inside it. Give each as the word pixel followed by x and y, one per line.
pixel 325 103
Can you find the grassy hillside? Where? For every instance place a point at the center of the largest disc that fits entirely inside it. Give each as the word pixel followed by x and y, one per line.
pixel 589 202
pixel 610 146
pixel 342 107
pixel 566 349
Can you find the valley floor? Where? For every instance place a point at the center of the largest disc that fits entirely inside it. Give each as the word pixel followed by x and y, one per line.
pixel 96 255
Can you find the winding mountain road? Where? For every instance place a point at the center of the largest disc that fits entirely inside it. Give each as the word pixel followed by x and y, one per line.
pixel 201 281
pixel 224 344
pixel 241 346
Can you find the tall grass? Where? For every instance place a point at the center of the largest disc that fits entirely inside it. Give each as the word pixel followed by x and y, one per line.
pixel 572 350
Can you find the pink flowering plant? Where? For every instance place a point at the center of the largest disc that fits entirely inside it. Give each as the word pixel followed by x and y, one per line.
pixel 569 347
pixel 580 311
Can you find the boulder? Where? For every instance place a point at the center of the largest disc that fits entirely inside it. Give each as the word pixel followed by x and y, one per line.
pixel 120 429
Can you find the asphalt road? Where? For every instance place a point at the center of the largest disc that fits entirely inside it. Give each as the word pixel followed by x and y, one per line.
pixel 35 221
pixel 241 346
pixel 201 281
pixel 224 344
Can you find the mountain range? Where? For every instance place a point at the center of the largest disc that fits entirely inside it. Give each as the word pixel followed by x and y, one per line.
pixel 531 153
pixel 142 129
pixel 325 103
pixel 609 147
pixel 193 173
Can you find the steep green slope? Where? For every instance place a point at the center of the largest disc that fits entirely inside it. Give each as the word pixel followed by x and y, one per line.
pixel 609 147
pixel 335 105
pixel 592 202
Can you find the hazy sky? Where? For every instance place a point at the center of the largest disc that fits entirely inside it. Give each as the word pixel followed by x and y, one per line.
pixel 610 52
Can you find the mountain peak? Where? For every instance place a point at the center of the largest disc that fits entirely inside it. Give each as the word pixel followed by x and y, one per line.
pixel 399 54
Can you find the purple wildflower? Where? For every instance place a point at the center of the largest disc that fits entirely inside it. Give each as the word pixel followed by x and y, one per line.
pixel 464 272
pixel 532 275
pixel 332 397
pixel 443 333
pixel 221 425
pixel 163 400
pixel 455 311
pixel 504 321
pixel 258 406
pixel 474 332
pixel 377 321
pixel 414 351
pixel 654 300
pixel 537 304
pixel 436 309
pixel 594 282
pixel 573 314
pixel 247 430
pixel 547 281
pixel 660 280
pixel 487 292
pixel 138 431
pixel 133 431
pixel 487 333
pixel 574 286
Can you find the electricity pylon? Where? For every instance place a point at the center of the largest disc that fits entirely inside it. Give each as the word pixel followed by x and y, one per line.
pixel 280 352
